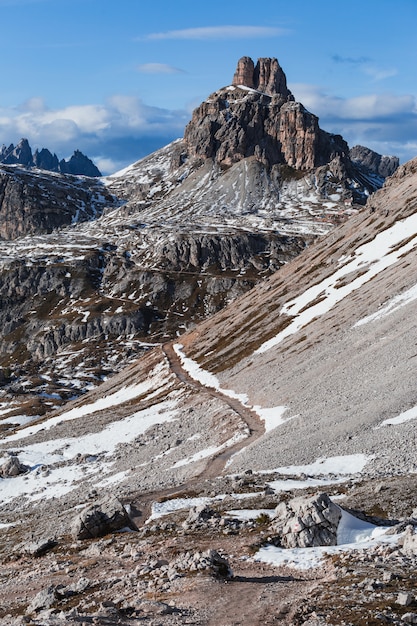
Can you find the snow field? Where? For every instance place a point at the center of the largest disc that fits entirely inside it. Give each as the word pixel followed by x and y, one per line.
pixel 54 469
pixel 125 394
pixel 57 455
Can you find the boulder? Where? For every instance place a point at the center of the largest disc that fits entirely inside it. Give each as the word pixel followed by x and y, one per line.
pixel 40 547
pixel 12 467
pixel 200 514
pixel 100 519
pixel 45 599
pixel 307 522
pixel 410 541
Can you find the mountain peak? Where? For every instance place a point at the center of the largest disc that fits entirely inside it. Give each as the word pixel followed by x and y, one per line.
pixel 267 76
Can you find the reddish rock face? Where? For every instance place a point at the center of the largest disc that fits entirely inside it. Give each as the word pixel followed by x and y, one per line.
pixel 244 73
pixel 267 77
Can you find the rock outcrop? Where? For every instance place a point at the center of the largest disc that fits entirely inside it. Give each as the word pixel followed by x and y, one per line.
pixel 21 154
pixel 33 202
pixel 79 165
pixel 100 519
pixel 12 467
pixel 375 163
pixel 267 76
pixel 307 522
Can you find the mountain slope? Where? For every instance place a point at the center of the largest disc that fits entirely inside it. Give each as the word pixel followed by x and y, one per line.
pixel 323 352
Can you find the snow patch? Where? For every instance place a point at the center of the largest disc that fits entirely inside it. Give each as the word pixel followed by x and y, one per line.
pixel 345 465
pixel 125 394
pixel 377 255
pixel 272 417
pixel 411 414
pixel 353 534
pixel 393 305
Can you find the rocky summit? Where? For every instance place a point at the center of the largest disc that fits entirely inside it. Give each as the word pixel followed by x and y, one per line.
pixel 207 401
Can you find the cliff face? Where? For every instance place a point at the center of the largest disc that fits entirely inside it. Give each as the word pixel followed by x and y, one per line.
pixel 267 76
pixel 381 165
pixel 34 202
pixel 257 116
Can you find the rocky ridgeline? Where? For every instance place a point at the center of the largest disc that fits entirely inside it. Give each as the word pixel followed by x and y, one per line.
pixel 78 164
pixel 40 203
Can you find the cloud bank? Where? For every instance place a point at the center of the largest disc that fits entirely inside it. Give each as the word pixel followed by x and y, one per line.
pixel 114 134
pixel 385 122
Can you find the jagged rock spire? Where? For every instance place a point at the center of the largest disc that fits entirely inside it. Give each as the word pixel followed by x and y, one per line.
pixel 267 76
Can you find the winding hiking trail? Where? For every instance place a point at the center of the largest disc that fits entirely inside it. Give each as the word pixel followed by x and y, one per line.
pixel 249 416
pixel 215 465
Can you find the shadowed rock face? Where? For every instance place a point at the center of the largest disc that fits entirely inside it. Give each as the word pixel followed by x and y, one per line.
pixel 381 165
pixel 78 164
pixel 40 202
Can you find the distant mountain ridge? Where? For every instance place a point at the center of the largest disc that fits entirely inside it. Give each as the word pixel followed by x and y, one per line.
pixel 21 154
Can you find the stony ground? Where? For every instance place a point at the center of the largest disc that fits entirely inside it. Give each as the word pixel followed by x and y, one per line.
pixel 163 573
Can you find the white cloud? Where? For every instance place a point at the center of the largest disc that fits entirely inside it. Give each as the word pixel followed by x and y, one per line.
pixel 220 32
pixel 379 73
pixel 120 131
pixel 386 122
pixel 366 107
pixel 366 65
pixel 158 68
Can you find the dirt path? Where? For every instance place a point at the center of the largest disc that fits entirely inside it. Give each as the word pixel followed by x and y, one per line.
pixel 216 464
pixel 256 428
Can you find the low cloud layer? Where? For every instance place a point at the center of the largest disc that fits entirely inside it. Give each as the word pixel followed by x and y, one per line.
pixel 385 122
pixel 114 134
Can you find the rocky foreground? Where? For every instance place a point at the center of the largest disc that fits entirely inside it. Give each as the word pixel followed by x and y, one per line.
pixel 200 566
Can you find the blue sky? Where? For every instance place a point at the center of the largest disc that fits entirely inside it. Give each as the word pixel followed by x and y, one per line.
pixel 120 79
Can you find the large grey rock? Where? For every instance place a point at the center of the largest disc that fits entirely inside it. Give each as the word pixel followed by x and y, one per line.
pixel 45 599
pixel 102 518
pixel 200 514
pixel 12 467
pixel 307 522
pixel 410 541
